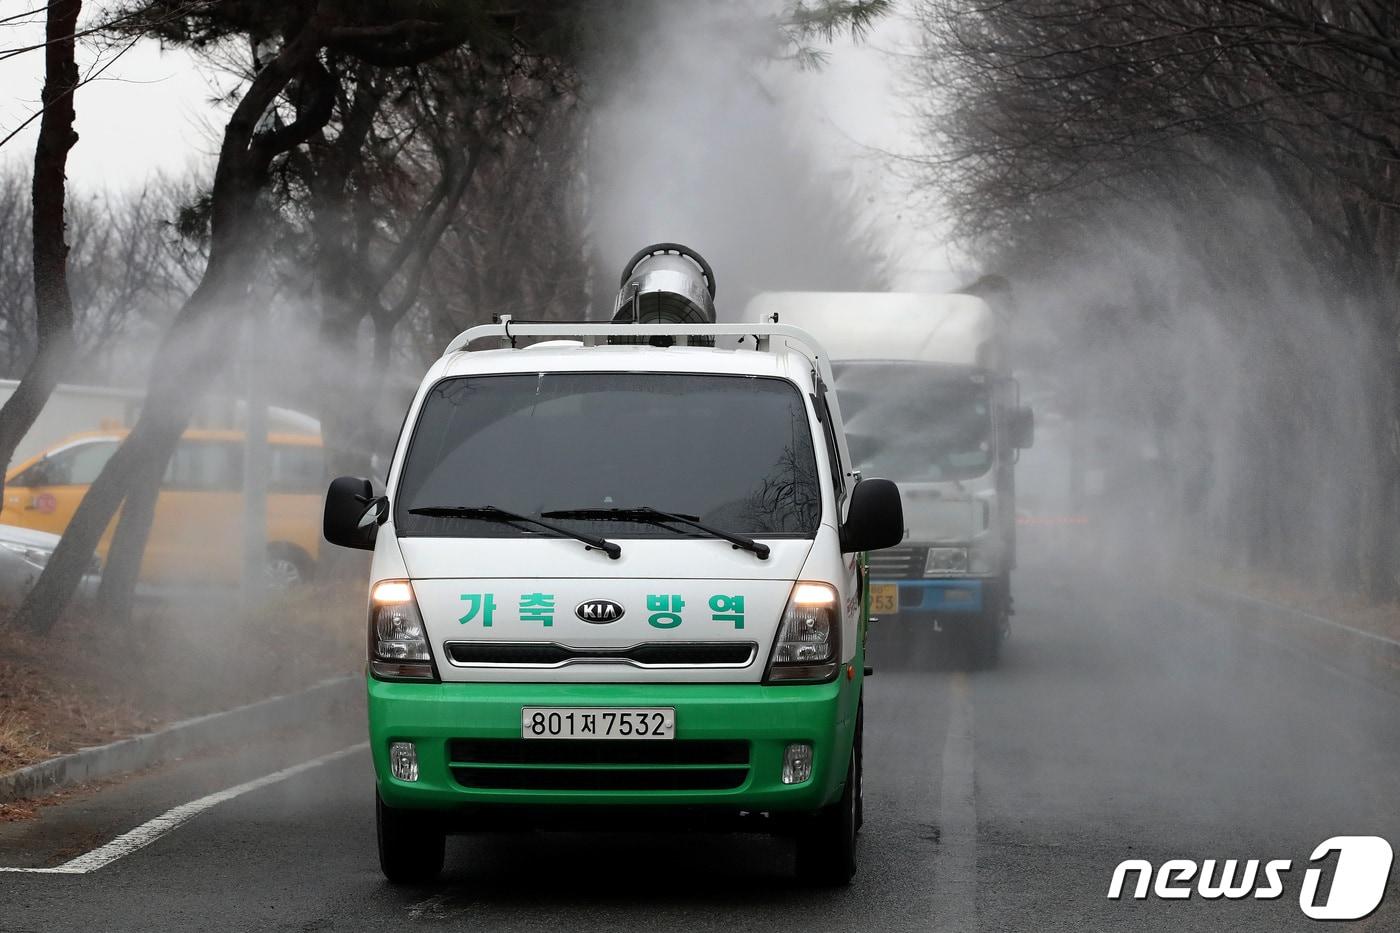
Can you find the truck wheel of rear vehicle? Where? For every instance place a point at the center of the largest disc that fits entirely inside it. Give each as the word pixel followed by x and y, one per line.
pixel 826 849
pixel 411 848
pixel 984 645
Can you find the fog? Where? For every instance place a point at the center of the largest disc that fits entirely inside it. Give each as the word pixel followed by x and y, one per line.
pixel 701 138
pixel 1204 524
pixel 1205 396
pixel 1213 392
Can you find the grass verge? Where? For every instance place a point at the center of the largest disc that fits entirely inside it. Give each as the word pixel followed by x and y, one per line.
pixel 88 683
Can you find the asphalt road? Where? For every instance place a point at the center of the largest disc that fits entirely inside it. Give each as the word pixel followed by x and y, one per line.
pixel 1123 724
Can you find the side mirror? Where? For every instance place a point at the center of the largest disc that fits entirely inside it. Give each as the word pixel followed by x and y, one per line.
pixel 875 519
pixel 1022 427
pixel 353 513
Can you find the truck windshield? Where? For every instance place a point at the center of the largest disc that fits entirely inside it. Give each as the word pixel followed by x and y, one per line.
pixel 735 452
pixel 916 422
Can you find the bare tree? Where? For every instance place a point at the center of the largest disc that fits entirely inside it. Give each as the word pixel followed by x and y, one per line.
pixel 1056 125
pixel 129 270
pixel 16 272
pixel 293 80
pixel 53 307
pixel 521 250
pixel 318 67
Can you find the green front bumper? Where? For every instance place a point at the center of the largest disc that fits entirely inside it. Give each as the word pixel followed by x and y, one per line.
pixel 768 718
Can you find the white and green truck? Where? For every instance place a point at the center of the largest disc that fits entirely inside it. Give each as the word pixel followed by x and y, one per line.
pixel 618 578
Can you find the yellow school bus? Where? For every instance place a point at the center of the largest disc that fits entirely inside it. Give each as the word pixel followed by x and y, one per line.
pixel 197 535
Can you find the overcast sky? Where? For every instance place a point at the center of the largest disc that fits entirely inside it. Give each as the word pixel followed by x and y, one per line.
pixel 153 110
pixel 149 110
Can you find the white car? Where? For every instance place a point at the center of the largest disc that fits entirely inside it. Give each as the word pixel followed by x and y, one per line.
pixel 23 554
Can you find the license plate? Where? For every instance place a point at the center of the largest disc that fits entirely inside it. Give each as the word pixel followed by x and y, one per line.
pixel 884 599
pixel 546 722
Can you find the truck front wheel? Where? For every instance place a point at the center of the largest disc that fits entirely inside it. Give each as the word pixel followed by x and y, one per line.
pixel 990 628
pixel 411 847
pixel 984 643
pixel 826 848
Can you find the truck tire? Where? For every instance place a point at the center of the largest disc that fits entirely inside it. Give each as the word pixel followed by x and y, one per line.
pixel 860 766
pixel 984 643
pixel 411 848
pixel 826 848
pixel 990 627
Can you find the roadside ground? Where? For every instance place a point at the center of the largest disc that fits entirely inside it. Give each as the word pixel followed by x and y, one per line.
pixel 1347 608
pixel 88 683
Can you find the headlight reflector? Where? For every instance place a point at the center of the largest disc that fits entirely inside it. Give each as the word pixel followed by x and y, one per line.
pixel 945 560
pixel 809 635
pixel 398 641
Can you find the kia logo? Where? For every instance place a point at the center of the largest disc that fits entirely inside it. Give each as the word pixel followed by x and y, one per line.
pixel 599 611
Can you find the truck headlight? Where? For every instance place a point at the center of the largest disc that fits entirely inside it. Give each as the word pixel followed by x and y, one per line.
pixel 945 560
pixel 398 642
pixel 809 636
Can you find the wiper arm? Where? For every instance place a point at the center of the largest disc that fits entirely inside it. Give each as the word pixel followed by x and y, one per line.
pixel 491 513
pixel 656 516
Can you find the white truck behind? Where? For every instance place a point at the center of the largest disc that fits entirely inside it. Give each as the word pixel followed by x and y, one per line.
pixel 929 399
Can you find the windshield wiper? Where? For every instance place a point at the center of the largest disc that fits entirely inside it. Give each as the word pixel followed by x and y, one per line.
pixel 646 513
pixel 491 513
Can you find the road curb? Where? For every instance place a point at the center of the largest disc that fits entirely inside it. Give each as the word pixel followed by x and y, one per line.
pixel 182 738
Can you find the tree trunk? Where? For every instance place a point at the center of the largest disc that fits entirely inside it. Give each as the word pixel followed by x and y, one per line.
pixel 188 360
pixel 128 548
pixel 186 364
pixel 195 348
pixel 53 306
pixel 257 462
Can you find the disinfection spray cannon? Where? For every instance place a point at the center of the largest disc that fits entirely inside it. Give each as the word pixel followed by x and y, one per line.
pixel 666 283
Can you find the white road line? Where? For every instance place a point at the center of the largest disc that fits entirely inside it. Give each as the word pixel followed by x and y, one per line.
pixel 955 866
pixel 151 830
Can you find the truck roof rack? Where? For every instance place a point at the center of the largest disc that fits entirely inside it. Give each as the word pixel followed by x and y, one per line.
pixel 592 333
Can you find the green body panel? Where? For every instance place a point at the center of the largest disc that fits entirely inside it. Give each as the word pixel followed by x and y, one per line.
pixel 768 717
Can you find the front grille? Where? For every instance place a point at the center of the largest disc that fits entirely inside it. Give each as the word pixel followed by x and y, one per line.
pixel 646 655
pixel 898 563
pixel 525 779
pixel 599 752
pixel 584 764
